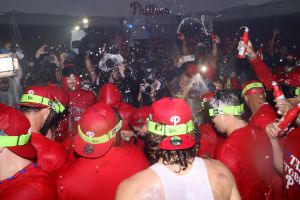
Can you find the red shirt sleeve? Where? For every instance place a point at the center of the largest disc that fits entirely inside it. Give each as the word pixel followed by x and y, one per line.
pixel 262 72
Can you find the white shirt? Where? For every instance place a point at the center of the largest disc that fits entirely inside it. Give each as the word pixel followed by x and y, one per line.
pixel 190 186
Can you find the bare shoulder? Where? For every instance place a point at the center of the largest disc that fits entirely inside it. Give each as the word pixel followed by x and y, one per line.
pixel 141 186
pixel 221 180
pixel 216 166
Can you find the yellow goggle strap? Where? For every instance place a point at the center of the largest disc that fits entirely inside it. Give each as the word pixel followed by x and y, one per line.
pixel 31 98
pixel 61 107
pixel 103 138
pixel 297 91
pixel 231 110
pixel 250 86
pixel 170 130
pixel 13 141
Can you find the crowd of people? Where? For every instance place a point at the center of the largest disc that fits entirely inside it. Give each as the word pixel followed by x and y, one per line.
pixel 151 120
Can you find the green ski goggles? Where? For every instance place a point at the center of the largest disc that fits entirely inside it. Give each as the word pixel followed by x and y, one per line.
pixel 13 141
pixel 31 98
pixel 231 110
pixel 103 138
pixel 170 130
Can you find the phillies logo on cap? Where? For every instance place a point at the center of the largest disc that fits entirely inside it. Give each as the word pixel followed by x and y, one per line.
pixel 30 92
pixel 175 120
pixel 90 134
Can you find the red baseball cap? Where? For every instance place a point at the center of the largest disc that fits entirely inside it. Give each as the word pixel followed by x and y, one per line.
pixel 125 111
pixel 60 94
pixel 252 87
pixel 110 95
pixel 172 117
pixel 96 131
pixel 15 132
pixel 39 97
pixel 140 115
pixel 61 97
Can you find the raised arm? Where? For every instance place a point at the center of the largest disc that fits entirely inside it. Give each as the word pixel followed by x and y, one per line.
pixel 261 70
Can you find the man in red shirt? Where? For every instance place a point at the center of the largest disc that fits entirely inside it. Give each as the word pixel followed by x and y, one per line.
pixel 262 115
pixel 39 105
pixel 254 95
pixel 287 156
pixel 79 99
pixel 20 178
pixel 247 150
pixel 287 159
pixel 102 161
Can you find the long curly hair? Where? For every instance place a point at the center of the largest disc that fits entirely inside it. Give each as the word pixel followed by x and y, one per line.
pixel 182 157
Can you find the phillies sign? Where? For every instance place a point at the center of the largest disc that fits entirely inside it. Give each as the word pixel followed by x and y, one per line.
pixel 148 10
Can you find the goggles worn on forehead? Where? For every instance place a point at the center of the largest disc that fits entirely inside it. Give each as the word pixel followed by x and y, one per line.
pixel 61 108
pixel 251 86
pixel 170 130
pixel 31 98
pixel 231 110
pixel 13 141
pixel 103 138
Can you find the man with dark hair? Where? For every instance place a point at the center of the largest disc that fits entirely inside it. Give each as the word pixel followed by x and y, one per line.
pixel 80 99
pixel 20 178
pixel 40 105
pixel 247 150
pixel 263 114
pixel 172 144
pixel 254 95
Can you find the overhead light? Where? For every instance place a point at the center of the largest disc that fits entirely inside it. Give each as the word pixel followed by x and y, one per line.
pixel 77 28
pixel 85 21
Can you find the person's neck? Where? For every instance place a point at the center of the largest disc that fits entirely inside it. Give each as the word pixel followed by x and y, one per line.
pixel 11 163
pixel 35 123
pixel 175 167
pixel 236 124
pixel 255 106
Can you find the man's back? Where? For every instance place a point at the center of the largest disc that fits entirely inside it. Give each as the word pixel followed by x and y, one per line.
pixel 29 183
pixel 185 186
pixel 99 178
pixel 247 152
pixel 216 182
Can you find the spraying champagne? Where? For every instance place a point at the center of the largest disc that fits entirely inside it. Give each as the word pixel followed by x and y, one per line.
pixel 244 39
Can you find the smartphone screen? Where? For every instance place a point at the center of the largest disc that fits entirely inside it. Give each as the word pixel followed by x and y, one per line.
pixel 6 64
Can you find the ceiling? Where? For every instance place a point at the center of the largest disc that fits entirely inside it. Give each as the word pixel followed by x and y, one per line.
pixel 119 8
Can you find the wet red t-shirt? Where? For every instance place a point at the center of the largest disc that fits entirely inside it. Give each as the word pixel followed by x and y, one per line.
pixel 291 165
pixel 99 178
pixel 51 155
pixel 34 184
pixel 263 116
pixel 80 100
pixel 209 141
pixel 247 152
